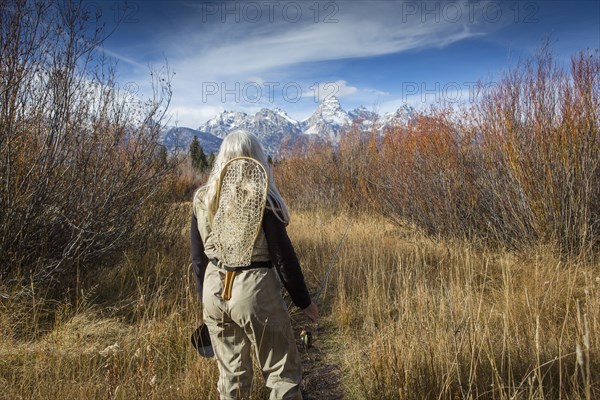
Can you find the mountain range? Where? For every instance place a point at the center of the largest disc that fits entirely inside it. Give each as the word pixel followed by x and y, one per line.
pixel 279 133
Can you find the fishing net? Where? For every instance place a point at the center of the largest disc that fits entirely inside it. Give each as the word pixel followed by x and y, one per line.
pixel 242 198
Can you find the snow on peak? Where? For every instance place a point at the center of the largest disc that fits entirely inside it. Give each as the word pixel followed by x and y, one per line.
pixel 402 114
pixel 276 129
pixel 285 115
pixel 224 122
pixel 362 114
pixel 328 120
pixel 331 102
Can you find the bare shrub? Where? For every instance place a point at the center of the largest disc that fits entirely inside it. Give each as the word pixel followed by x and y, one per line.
pixel 541 173
pixel 80 173
pixel 332 177
pixel 311 179
pixel 517 168
pixel 429 174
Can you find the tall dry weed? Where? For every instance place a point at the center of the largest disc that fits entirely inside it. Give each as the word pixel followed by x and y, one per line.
pixel 420 318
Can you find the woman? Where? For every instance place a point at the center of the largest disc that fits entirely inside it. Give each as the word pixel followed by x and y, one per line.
pixel 256 314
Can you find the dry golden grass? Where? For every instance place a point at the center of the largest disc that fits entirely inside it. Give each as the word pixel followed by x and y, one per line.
pixel 415 318
pixel 126 337
pixel 420 318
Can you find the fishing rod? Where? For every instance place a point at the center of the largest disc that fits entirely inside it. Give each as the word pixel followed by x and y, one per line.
pixel 306 334
pixel 331 264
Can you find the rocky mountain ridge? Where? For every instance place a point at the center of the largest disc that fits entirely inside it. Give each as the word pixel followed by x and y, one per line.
pixel 278 132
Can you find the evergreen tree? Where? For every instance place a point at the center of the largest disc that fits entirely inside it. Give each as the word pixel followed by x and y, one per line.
pixel 211 160
pixel 163 156
pixel 199 162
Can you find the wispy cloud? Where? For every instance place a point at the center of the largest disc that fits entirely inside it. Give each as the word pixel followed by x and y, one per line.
pixel 204 50
pixel 123 58
pixel 360 31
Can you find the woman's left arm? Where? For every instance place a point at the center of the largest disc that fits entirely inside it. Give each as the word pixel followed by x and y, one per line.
pixel 285 260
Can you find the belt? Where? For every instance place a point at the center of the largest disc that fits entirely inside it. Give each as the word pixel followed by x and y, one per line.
pixel 231 271
pixel 253 264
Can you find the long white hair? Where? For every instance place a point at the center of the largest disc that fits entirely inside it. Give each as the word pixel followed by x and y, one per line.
pixel 241 143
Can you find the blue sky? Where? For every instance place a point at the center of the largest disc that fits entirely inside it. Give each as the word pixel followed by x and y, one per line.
pixel 245 55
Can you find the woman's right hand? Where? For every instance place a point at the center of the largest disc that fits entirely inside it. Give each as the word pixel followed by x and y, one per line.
pixel 312 312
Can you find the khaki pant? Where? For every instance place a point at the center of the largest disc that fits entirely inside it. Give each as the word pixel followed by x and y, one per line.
pixel 254 316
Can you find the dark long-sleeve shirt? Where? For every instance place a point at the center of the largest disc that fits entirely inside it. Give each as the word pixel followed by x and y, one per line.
pixel 282 253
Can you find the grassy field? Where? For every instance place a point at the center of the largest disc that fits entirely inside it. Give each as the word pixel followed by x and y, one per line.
pixel 409 318
pixel 96 295
pixel 420 318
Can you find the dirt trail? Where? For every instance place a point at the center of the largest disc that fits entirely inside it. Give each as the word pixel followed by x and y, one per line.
pixel 321 367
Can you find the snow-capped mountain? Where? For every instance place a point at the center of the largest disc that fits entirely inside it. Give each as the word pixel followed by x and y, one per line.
pixel 279 133
pixel 224 123
pixel 362 114
pixel 397 118
pixel 363 117
pixel 328 120
pixel 270 126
